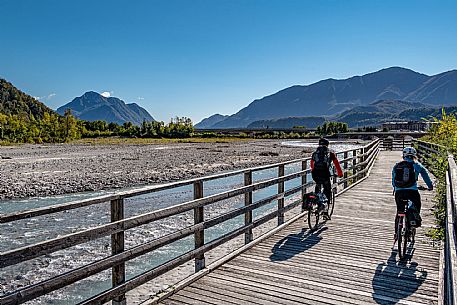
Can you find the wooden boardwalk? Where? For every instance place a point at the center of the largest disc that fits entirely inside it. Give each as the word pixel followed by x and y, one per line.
pixel 348 261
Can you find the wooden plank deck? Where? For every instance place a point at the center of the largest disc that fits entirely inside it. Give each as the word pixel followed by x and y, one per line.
pixel 348 261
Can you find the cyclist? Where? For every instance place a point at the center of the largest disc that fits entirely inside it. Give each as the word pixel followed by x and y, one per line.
pixel 404 180
pixel 320 168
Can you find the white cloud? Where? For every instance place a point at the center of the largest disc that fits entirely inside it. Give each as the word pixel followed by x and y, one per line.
pixel 106 94
pixel 46 97
pixel 140 98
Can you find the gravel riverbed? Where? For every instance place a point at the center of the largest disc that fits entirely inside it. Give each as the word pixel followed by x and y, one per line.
pixel 44 170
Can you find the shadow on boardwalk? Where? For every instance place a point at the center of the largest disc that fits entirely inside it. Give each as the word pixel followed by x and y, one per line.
pixel 394 281
pixel 294 244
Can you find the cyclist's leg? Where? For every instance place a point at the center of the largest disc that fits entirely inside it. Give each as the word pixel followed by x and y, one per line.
pixel 328 189
pixel 415 197
pixel 400 202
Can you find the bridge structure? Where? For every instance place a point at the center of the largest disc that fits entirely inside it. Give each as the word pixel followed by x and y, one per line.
pixel 272 258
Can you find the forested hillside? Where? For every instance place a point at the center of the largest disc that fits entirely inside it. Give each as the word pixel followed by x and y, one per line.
pixel 14 101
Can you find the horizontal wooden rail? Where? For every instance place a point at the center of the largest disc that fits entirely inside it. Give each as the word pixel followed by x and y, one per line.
pixel 151 274
pixel 46 247
pixel 427 152
pixel 366 165
pixel 395 144
pixel 33 291
pixel 450 246
pixel 361 161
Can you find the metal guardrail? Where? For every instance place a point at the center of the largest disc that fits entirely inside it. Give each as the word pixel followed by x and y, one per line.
pixel 448 277
pixel 356 165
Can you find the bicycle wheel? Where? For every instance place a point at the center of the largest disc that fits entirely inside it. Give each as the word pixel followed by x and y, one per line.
pixel 400 237
pixel 331 205
pixel 405 242
pixel 313 216
pixel 413 235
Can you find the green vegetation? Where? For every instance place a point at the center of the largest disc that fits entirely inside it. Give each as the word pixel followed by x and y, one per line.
pixel 53 128
pixel 329 128
pixel 23 119
pixel 17 103
pixel 444 133
pixel 177 128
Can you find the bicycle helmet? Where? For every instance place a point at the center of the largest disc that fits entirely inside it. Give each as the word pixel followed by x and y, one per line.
pixel 323 142
pixel 409 152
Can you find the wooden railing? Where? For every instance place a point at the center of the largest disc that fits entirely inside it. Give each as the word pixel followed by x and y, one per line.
pixel 391 143
pixel 428 152
pixel 356 164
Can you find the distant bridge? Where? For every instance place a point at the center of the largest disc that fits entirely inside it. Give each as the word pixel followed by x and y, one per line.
pixel 347 261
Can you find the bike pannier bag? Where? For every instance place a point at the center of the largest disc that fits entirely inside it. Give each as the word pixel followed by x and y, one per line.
pixel 309 199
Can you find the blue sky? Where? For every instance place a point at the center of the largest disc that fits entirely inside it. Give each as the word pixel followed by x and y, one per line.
pixel 196 58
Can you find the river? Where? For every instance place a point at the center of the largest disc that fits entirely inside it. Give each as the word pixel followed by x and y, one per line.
pixel 30 231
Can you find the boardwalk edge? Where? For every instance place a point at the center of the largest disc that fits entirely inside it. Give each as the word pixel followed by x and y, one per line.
pixel 160 296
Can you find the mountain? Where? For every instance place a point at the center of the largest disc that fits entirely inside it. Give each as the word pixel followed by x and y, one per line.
pixel 92 106
pixel 375 113
pixel 210 121
pixel 424 113
pixel 440 89
pixel 308 122
pixel 330 97
pixel 14 101
pixel 361 116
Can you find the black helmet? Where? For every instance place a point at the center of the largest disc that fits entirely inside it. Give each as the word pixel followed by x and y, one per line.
pixel 323 142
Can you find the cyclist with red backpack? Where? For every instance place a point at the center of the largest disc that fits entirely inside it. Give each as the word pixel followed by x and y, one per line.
pixel 404 180
pixel 321 161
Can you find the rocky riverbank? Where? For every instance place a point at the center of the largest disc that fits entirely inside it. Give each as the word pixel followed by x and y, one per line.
pixel 44 170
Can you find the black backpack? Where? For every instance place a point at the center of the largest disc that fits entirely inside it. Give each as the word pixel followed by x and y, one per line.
pixel 321 158
pixel 405 175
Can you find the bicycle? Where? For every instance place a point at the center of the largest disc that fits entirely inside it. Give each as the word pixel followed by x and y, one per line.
pixel 406 229
pixel 316 204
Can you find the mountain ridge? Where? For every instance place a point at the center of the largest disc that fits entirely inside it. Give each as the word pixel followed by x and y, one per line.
pixel 92 106
pixel 330 97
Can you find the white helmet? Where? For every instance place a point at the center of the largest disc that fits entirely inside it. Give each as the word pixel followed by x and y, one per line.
pixel 409 152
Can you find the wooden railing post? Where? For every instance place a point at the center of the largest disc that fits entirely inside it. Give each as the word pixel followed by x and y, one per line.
pixel 117 246
pixel 248 237
pixel 364 158
pixel 199 236
pixel 281 200
pixel 354 166
pixel 304 181
pixel 345 168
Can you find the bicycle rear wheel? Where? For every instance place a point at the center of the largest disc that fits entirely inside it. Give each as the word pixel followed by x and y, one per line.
pixel 313 216
pixel 405 242
pixel 331 205
pixel 400 237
